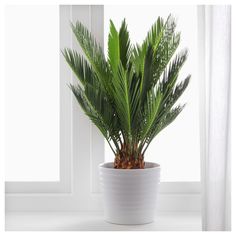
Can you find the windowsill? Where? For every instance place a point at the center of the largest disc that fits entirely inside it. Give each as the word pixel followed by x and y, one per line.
pixel 93 221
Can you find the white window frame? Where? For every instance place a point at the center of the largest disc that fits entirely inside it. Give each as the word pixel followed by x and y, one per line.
pixel 82 147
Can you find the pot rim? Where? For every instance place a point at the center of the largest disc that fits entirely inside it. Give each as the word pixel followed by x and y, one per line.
pixel 109 166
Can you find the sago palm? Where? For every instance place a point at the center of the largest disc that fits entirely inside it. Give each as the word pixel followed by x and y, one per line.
pixel 129 96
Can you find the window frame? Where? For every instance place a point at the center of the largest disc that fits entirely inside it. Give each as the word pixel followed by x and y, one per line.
pixel 81 154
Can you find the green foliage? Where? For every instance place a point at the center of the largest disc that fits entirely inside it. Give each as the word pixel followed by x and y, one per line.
pixel 130 96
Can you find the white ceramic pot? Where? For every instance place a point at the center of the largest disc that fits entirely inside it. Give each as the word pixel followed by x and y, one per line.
pixel 129 196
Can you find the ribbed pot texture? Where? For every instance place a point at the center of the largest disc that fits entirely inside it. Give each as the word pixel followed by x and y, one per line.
pixel 129 195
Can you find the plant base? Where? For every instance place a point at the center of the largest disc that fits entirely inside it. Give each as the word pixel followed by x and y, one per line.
pixel 128 163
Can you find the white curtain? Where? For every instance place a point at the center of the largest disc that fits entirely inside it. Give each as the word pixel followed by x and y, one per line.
pixel 215 116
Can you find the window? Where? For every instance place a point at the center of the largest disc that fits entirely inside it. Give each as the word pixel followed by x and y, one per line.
pixel 38 143
pixel 176 148
pixel 32 94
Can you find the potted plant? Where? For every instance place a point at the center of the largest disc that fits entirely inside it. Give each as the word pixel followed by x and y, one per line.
pixel 130 97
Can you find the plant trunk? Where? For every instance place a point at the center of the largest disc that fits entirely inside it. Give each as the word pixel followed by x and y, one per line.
pixel 128 162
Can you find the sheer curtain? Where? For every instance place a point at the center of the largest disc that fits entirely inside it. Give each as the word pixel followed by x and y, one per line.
pixel 215 66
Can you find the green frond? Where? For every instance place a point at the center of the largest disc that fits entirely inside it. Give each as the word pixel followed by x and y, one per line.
pixel 171 73
pixel 155 52
pixel 134 91
pixel 155 34
pixel 124 45
pixel 119 48
pixel 151 111
pixel 162 123
pixel 147 77
pixel 89 109
pixel 158 37
pixel 97 109
pixel 122 100
pixel 167 46
pixel 138 56
pixel 79 66
pixel 113 48
pixel 94 54
pixel 176 92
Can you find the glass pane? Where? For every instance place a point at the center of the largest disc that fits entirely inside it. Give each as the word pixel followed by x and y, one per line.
pixel 176 148
pixel 32 93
